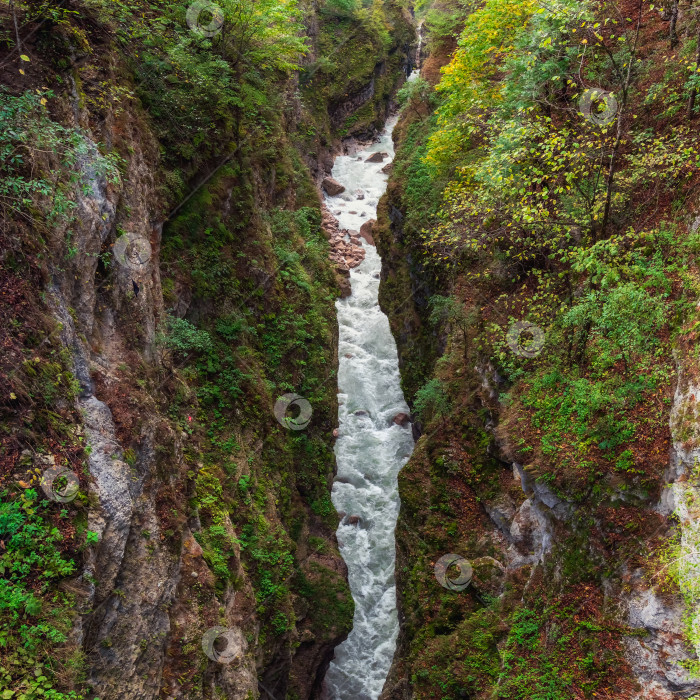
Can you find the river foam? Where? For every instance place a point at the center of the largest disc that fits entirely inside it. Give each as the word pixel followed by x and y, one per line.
pixel 371 448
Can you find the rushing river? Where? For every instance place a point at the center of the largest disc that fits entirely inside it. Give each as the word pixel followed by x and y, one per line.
pixel 371 448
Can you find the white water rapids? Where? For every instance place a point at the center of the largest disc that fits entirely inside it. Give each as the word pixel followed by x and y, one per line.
pixel 371 449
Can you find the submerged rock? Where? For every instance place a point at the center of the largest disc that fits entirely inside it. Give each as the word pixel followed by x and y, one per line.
pixel 401 419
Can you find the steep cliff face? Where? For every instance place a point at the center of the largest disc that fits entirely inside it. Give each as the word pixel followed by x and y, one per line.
pixel 165 285
pixel 577 516
pixel 568 591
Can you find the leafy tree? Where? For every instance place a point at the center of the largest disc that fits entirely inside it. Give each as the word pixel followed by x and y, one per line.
pixel 624 321
pixel 416 95
pixel 432 401
pixel 453 312
pixel 260 35
pixel 536 154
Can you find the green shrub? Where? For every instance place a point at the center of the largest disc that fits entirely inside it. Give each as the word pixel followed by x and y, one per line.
pixel 432 401
pixel 184 338
pixel 34 615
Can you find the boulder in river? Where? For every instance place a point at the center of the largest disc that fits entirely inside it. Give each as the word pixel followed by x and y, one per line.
pixel 354 520
pixel 376 158
pixel 366 231
pixel 332 187
pixel 402 419
pixel 387 168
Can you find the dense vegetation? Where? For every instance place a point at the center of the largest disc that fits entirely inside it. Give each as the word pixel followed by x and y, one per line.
pixel 541 216
pixel 200 132
pixel 547 183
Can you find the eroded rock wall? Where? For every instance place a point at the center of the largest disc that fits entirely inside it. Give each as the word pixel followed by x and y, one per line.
pixel 198 507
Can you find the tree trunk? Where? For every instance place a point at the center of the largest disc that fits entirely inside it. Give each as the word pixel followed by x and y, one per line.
pixel 618 134
pixel 693 91
pixel 14 19
pixel 672 26
pixel 580 342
